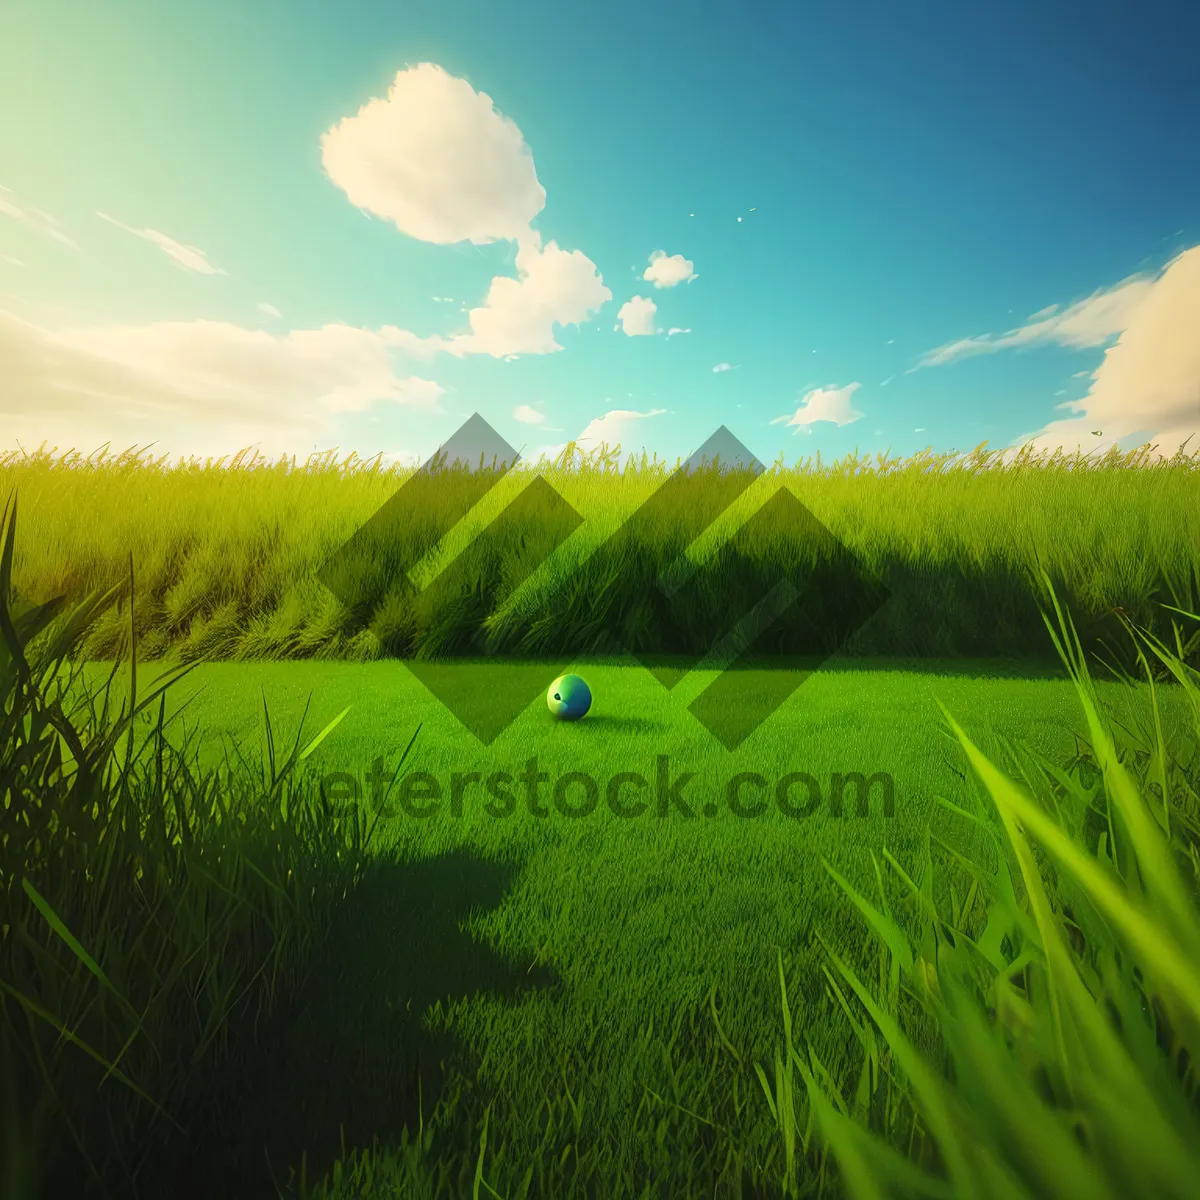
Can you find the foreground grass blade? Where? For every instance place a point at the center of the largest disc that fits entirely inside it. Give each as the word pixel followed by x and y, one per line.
pixel 324 733
pixel 1158 949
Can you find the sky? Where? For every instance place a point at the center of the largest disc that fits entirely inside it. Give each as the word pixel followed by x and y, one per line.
pixel 834 227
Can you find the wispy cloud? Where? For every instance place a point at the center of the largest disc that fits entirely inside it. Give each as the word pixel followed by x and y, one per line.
pixel 1043 313
pixel 1148 385
pixel 823 404
pixel 269 309
pixel 12 262
pixel 672 332
pixel 43 222
pixel 198 386
pixel 189 258
pixel 1086 323
pixel 528 415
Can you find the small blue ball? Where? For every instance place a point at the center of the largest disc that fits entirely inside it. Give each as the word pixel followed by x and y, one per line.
pixel 569 698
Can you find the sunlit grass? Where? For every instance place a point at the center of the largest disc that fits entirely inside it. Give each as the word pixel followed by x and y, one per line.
pixel 228 551
pixel 1005 1004
pixel 1066 994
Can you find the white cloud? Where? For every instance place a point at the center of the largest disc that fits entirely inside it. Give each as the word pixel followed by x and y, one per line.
pixel 1148 385
pixel 188 257
pixel 1041 313
pixel 437 159
pixel 199 387
pixel 404 341
pixel 666 272
pixel 824 404
pixel 1084 324
pixel 636 317
pixel 12 262
pixel 527 415
pixel 269 309
pixel 614 427
pixel 673 331
pixel 553 287
pixel 33 217
pixel 720 368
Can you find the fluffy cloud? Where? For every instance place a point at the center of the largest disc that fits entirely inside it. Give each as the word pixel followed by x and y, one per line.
pixel 199 387
pixel 614 427
pixel 436 159
pixel 636 317
pixel 666 272
pixel 1148 385
pixel 1080 326
pixel 553 287
pixel 824 404
pixel 187 257
pixel 33 217
pixel 527 415
pixel 720 368
pixel 439 161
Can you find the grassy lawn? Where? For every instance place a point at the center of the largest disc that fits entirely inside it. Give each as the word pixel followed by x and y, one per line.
pixel 508 996
pixel 550 951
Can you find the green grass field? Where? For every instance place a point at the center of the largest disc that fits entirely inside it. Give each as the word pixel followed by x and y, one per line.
pixel 219 949
pixel 227 555
pixel 540 936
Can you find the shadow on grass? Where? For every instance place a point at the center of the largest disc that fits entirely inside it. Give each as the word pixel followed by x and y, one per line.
pixel 355 1055
pixel 606 723
pixel 973 668
pixel 843 662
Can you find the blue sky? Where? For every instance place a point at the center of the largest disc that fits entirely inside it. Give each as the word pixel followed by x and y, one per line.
pixel 305 225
